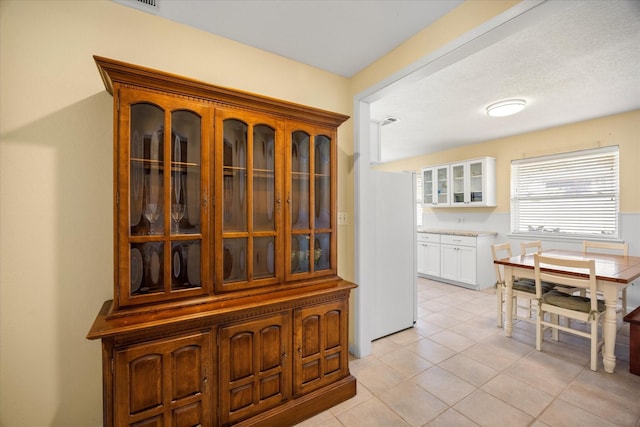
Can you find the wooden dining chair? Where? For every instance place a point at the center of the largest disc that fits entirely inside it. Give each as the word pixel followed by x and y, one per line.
pixel 523 288
pixel 525 246
pixel 537 245
pixel 588 310
pixel 610 247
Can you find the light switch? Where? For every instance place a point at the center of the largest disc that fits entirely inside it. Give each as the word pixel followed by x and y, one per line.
pixel 342 218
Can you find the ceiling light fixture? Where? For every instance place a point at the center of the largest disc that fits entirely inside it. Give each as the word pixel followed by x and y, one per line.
pixel 506 108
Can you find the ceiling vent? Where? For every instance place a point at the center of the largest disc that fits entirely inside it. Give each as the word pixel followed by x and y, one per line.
pixel 152 6
pixel 388 120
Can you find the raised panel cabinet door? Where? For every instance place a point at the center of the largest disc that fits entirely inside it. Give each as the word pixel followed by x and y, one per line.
pixel 161 198
pixel 321 345
pixel 164 382
pixel 253 366
pixel 249 200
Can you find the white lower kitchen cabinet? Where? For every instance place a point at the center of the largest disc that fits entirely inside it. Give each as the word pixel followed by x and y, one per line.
pixel 428 254
pixel 463 258
pixel 458 259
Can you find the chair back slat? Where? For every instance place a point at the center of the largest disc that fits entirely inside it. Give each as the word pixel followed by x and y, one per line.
pixel 621 248
pixel 525 246
pixel 584 269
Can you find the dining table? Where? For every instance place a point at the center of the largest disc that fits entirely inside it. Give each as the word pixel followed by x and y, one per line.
pixel 613 273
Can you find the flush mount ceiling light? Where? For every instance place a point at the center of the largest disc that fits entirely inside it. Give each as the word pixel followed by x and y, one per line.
pixel 506 108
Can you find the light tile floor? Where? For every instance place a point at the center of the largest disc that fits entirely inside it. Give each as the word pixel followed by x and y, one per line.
pixel 456 368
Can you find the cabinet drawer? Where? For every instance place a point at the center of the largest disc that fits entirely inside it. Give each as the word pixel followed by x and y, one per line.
pixel 449 239
pixel 428 238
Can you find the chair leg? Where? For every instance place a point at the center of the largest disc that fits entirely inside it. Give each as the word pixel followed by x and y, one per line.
pixel 624 302
pixel 594 345
pixel 554 332
pixel 539 330
pixel 499 295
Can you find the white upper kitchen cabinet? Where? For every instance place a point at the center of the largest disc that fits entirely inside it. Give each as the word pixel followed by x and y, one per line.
pixel 473 182
pixel 435 184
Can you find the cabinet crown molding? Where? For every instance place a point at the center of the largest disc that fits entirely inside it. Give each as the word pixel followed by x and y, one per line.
pixel 113 71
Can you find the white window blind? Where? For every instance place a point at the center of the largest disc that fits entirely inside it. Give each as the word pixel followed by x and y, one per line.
pixel 419 199
pixel 571 194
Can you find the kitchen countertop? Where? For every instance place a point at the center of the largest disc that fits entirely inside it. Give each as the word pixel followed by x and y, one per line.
pixel 468 233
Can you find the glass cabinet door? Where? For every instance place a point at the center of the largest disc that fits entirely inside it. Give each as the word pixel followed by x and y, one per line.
pixel 311 241
pixel 427 186
pixel 476 194
pixel 442 174
pixel 458 184
pixel 250 208
pixel 436 185
pixel 163 187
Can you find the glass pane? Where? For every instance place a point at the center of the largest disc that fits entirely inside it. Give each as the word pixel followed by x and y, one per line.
pixel 300 253
pixel 235 176
pixel 264 257
pixel 146 267
pixel 457 173
pixel 322 171
pixel 427 185
pixel 185 172
pixel 185 264
pixel 443 196
pixel 322 251
pixel 235 260
pixel 146 153
pixel 322 202
pixel 300 180
pixel 475 176
pixel 263 178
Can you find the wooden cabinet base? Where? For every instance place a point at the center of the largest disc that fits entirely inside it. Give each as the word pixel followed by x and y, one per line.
pixel 271 359
pixel 306 406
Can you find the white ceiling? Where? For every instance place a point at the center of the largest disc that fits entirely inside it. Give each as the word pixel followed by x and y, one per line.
pixel 570 60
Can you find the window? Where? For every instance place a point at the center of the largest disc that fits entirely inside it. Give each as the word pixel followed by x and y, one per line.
pixel 571 194
pixel 419 199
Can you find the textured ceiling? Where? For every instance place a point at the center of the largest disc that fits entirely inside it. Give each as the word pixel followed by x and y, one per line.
pixel 580 62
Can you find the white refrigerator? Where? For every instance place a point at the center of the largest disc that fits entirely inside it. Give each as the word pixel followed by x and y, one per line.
pixel 394 263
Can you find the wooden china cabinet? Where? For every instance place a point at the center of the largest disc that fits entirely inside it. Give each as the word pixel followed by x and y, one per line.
pixel 227 307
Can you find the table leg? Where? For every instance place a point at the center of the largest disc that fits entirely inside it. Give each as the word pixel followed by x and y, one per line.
pixel 609 328
pixel 508 300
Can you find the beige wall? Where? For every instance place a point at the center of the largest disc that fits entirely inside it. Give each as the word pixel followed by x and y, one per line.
pixel 620 129
pixel 56 181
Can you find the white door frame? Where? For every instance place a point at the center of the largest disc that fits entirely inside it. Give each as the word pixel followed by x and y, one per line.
pixel 490 32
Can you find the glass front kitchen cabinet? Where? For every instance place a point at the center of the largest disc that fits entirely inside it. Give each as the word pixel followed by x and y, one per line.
pixel 161 204
pixel 435 184
pixel 473 182
pixel 310 241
